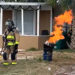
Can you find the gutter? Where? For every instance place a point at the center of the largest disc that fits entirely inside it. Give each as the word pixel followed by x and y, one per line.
pixel 22 3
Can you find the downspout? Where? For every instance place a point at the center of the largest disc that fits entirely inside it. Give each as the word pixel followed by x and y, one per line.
pixel 51 20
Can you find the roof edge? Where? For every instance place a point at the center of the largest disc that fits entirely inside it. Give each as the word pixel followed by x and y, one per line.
pixel 23 4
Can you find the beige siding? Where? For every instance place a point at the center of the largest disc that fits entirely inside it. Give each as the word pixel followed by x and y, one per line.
pixel 0 41
pixel 41 41
pixel 27 42
pixel 44 21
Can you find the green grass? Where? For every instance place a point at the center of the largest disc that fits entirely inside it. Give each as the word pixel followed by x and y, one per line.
pixel 26 67
pixel 33 67
pixel 65 50
pixel 38 66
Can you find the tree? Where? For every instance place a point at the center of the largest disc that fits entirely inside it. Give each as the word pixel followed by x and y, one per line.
pixel 66 5
pixel 63 4
pixel 72 45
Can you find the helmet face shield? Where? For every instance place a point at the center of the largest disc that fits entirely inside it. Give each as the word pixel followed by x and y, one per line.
pixel 9 24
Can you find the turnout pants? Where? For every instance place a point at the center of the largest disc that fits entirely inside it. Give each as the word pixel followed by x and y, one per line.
pixel 10 50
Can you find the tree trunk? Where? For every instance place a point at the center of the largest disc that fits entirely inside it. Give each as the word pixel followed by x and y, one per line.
pixel 73 35
pixel 73 26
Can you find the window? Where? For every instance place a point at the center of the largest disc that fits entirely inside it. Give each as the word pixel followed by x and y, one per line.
pixel 17 19
pixel 29 22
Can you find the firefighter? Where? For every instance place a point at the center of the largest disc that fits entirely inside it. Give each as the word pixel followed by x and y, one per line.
pixel 10 43
pixel 17 38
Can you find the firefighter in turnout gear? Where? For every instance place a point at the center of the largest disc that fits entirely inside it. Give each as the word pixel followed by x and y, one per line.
pixel 10 42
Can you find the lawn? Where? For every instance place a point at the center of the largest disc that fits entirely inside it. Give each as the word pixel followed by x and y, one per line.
pixel 37 66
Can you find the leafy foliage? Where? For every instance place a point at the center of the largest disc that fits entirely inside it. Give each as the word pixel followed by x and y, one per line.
pixel 53 3
pixel 73 7
pixel 64 4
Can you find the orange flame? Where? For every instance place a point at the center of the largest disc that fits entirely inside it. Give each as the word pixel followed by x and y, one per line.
pixel 60 20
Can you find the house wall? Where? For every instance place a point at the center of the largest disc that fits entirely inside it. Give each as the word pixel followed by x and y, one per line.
pixel 37 42
pixel 0 41
pixel 41 41
pixel 7 14
pixel 27 42
pixel 44 21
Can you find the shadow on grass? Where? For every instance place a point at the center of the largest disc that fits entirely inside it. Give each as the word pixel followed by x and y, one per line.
pixel 32 49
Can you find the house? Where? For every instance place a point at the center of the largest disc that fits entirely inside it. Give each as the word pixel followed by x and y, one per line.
pixel 33 19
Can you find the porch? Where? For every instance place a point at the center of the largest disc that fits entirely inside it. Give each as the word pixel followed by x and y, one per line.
pixel 34 21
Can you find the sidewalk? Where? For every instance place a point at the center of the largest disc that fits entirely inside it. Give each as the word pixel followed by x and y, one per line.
pixel 27 54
